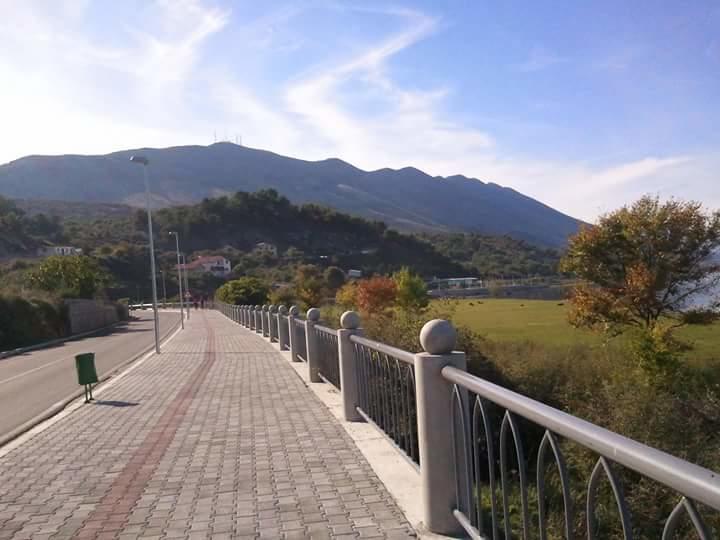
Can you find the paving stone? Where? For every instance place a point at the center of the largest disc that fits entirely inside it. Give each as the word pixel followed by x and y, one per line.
pixel 226 441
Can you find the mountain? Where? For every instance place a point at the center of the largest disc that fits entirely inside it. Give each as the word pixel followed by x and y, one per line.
pixel 406 199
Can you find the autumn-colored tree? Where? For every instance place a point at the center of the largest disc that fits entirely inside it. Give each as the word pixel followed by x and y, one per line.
pixel 411 290
pixel 643 264
pixel 309 285
pixel 346 297
pixel 375 295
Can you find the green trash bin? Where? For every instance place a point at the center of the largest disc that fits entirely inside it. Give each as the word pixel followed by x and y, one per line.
pixel 87 375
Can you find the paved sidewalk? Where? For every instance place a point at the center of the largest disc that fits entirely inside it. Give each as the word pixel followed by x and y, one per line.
pixel 216 438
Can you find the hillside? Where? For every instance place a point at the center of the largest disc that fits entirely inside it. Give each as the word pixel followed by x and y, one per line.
pixel 496 256
pixel 406 199
pixel 21 234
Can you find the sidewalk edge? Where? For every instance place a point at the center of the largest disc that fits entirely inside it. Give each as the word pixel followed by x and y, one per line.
pixel 63 403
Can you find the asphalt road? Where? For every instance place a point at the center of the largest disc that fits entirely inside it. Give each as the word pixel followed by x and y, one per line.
pixel 31 383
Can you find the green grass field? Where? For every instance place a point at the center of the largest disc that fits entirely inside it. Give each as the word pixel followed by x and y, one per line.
pixel 545 321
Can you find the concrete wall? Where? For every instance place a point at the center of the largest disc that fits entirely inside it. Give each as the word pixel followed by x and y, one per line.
pixel 87 315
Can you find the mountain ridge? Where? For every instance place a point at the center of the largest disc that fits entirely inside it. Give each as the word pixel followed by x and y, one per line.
pixel 405 198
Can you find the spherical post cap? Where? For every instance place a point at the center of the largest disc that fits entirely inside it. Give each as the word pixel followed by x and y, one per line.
pixel 258 307
pixel 438 337
pixel 313 314
pixel 350 320
pixel 294 311
pixel 283 310
pixel 272 308
pixel 264 307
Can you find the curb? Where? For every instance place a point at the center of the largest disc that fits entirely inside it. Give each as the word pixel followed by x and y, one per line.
pixel 45 344
pixel 60 405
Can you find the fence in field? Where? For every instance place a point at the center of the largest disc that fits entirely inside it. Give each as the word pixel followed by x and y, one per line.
pixel 465 437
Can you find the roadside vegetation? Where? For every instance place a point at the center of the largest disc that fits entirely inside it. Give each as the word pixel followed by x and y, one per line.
pixel 621 352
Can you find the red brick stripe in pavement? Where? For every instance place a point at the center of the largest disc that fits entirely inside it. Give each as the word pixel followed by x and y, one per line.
pixel 113 511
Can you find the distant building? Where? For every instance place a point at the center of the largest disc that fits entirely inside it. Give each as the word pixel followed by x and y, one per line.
pixel 266 248
pixel 216 265
pixel 354 273
pixel 456 283
pixel 62 251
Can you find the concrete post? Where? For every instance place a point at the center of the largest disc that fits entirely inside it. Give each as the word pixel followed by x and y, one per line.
pixel 272 319
pixel 313 316
pixel 292 333
pixel 265 320
pixel 258 319
pixel 350 322
pixel 283 328
pixel 434 415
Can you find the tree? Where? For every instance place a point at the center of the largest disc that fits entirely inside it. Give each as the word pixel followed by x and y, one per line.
pixel 309 285
pixel 346 297
pixel 334 277
pixel 283 296
pixel 642 264
pixel 411 290
pixel 376 294
pixel 246 290
pixel 78 276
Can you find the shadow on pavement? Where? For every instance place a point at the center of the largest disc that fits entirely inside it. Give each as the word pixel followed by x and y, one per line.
pixel 116 403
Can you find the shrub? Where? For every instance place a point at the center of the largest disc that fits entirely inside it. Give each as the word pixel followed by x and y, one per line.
pixel 246 290
pixel 375 295
pixel 26 322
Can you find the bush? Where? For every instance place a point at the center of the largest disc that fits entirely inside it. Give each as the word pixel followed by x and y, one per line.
pixel 246 290
pixel 26 322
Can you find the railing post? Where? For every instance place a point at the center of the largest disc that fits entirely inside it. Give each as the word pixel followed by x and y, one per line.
pixel 350 322
pixel 283 328
pixel 245 316
pixel 435 425
pixel 292 333
pixel 263 320
pixel 258 319
pixel 311 342
pixel 272 330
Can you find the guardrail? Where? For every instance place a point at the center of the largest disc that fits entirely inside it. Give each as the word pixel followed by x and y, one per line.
pixel 459 432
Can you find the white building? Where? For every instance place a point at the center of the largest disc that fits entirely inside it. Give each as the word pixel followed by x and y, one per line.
pixel 217 265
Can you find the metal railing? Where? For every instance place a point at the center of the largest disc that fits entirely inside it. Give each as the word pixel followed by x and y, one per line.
pixel 301 340
pixel 480 498
pixel 491 462
pixel 328 357
pixel 386 393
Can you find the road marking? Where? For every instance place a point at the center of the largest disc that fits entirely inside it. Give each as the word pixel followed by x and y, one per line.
pixel 51 363
pixel 45 424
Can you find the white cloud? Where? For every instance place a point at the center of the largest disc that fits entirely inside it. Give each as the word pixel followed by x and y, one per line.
pixel 159 86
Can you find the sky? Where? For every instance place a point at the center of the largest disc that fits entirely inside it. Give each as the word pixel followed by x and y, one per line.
pixel 584 106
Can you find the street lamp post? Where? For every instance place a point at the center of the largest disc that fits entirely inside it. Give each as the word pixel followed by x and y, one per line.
pixel 180 281
pixel 162 275
pixel 142 160
pixel 187 287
